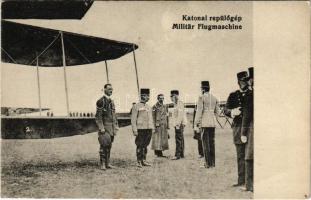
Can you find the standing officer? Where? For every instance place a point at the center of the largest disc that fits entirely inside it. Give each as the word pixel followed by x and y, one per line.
pixel 160 118
pixel 247 131
pixel 108 126
pixel 233 110
pixel 179 122
pixel 143 127
pixel 207 108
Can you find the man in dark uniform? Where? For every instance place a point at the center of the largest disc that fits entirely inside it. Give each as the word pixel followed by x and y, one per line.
pixel 108 126
pixel 233 109
pixel 143 126
pixel 247 131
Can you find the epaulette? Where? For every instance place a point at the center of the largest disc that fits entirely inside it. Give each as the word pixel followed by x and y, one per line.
pixel 100 104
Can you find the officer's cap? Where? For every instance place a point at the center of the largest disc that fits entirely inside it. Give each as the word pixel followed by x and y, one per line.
pixel 242 76
pixel 251 72
pixel 174 92
pixel 204 84
pixel 144 91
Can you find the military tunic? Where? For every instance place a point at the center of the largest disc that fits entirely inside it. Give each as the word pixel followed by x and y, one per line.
pixel 247 124
pixel 106 120
pixel 142 124
pixel 160 136
pixel 207 108
pixel 248 131
pixel 235 100
pixel 179 122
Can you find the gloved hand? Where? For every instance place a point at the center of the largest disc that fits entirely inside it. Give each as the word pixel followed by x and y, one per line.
pixel 196 129
pixel 135 133
pixel 243 139
pixel 235 112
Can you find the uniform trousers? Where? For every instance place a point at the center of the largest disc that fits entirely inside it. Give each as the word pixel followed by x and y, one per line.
pixel 200 147
pixel 158 152
pixel 180 143
pixel 249 173
pixel 105 148
pixel 142 141
pixel 208 141
pixel 240 150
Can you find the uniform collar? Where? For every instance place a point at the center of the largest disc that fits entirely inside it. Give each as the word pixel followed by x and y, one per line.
pixel 243 91
pixel 159 105
pixel 108 97
pixel 144 103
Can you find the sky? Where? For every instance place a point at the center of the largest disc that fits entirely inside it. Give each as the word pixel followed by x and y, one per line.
pixel 166 59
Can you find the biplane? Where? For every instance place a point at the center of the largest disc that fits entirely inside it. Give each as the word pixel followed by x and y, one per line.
pixel 42 47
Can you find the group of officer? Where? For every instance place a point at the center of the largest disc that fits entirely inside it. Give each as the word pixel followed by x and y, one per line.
pixel 152 123
pixel 147 123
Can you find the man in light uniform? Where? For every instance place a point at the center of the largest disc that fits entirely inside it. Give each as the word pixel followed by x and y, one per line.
pixel 179 122
pixel 207 109
pixel 143 126
pixel 107 123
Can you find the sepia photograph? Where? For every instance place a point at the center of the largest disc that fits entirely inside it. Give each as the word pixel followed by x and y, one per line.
pixel 120 99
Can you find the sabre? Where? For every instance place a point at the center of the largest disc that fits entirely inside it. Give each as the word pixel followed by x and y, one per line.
pixel 218 122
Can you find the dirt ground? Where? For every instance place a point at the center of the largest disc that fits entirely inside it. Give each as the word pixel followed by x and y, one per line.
pixel 68 168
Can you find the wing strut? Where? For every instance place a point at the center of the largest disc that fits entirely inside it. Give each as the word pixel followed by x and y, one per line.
pixel 64 67
pixel 136 69
pixel 38 81
pixel 107 74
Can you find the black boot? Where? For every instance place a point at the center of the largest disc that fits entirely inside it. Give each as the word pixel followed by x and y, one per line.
pixel 139 164
pixel 102 163
pixel 144 163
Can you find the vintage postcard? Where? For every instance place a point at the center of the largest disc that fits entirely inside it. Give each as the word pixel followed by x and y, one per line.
pixel 155 99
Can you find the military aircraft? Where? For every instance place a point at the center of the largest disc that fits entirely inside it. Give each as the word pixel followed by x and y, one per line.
pixel 10 111
pixel 42 47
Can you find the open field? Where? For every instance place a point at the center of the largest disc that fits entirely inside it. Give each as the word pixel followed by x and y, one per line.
pixel 68 168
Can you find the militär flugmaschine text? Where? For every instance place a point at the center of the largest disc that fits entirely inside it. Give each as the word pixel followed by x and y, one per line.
pixel 205 22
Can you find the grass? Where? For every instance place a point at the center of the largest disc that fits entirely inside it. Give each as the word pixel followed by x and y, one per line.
pixel 68 168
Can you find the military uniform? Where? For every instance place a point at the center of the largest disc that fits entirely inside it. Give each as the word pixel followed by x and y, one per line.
pixel 142 124
pixel 248 131
pixel 179 122
pixel 207 108
pixel 160 136
pixel 106 120
pixel 235 100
